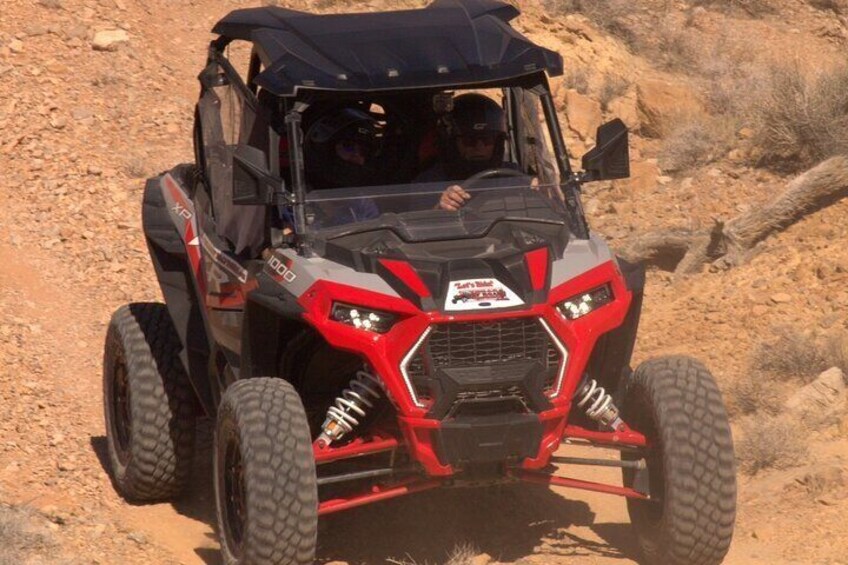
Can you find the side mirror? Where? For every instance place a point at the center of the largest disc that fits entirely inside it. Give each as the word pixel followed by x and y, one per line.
pixel 610 158
pixel 253 183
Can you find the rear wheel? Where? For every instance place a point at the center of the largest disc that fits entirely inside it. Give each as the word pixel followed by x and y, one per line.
pixel 148 403
pixel 265 483
pixel 689 520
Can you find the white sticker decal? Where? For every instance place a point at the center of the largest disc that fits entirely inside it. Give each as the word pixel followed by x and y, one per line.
pixel 480 294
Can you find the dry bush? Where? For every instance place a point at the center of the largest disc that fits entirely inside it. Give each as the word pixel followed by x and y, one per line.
pixel 462 554
pixel 608 15
pixel 137 166
pixel 791 354
pixel 675 48
pixel 836 352
pixel 771 443
pixel 754 393
pixel 801 120
pixel 612 88
pixel 835 6
pixel 18 538
pixel 753 8
pixel 697 140
pixel 576 78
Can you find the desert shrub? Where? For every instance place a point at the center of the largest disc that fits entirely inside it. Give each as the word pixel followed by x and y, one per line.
pixel 835 6
pixel 674 48
pixel 137 166
pixel 696 141
pixel 753 8
pixel 770 443
pixel 18 538
pixel 612 87
pixel 608 15
pixel 576 78
pixel 462 554
pixel 801 120
pixel 790 354
pixel 753 393
pixel 836 352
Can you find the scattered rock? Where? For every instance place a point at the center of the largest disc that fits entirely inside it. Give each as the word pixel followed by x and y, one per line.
pixel 660 103
pixel 66 465
pixel 583 114
pixel 830 480
pixel 823 400
pixel 137 537
pixel 781 298
pixel 16 46
pixel 482 559
pixel 82 114
pixel 626 108
pixel 78 31
pixel 35 30
pixel 109 40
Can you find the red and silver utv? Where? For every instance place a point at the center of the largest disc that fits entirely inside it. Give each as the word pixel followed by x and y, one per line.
pixel 348 358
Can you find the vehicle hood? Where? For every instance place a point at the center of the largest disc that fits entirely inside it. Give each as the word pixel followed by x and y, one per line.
pixel 508 267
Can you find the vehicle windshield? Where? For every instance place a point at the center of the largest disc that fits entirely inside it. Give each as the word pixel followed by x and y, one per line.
pixel 414 209
pixel 478 157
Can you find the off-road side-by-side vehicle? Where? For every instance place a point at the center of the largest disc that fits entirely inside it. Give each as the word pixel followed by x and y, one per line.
pixel 349 358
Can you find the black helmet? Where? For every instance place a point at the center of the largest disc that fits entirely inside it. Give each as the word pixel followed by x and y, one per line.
pixel 324 167
pixel 474 115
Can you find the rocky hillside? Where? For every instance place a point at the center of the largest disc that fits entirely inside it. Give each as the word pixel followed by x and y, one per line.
pixel 95 95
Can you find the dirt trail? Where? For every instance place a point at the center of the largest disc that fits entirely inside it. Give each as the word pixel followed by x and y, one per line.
pixel 526 523
pixel 84 127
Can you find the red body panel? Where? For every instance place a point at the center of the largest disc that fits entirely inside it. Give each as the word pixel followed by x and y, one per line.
pixel 385 352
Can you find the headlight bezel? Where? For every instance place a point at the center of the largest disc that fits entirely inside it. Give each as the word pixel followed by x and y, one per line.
pixel 586 302
pixel 363 317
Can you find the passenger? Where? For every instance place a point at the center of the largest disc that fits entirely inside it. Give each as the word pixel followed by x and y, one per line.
pixel 475 143
pixel 338 149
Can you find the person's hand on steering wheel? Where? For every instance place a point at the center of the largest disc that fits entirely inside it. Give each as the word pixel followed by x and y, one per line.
pixel 453 198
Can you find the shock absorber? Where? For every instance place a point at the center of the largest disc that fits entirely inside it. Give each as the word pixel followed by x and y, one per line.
pixel 349 407
pixel 598 404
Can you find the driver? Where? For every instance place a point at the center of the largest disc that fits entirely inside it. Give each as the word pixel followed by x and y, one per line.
pixel 475 142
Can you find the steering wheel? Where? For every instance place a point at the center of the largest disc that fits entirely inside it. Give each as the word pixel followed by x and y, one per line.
pixel 490 173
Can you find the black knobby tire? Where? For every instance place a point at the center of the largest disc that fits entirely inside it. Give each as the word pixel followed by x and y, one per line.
pixel 676 403
pixel 149 404
pixel 265 482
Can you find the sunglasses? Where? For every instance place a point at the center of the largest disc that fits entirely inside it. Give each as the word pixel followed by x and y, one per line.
pixel 472 139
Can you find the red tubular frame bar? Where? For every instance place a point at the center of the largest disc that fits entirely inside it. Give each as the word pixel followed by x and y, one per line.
pixel 551 480
pixel 376 494
pixel 355 448
pixel 624 436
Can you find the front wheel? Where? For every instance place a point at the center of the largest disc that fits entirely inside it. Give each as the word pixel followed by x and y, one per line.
pixel 265 482
pixel 691 473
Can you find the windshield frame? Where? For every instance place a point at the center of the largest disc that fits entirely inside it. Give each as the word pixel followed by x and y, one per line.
pixel 537 84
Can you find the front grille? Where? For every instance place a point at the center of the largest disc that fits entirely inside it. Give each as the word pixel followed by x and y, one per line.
pixel 479 344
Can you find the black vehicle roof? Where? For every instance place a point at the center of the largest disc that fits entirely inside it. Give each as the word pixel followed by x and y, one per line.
pixel 450 43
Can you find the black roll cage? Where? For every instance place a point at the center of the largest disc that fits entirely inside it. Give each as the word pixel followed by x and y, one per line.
pixel 292 108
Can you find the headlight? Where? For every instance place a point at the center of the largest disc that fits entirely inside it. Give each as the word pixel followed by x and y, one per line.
pixel 582 304
pixel 363 318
